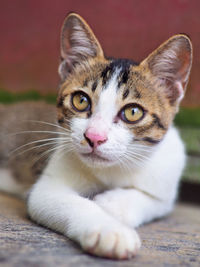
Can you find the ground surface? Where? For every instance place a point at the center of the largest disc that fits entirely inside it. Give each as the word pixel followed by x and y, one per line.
pixel 172 241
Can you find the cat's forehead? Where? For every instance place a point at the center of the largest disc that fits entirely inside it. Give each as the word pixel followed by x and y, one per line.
pixel 121 68
pixel 96 77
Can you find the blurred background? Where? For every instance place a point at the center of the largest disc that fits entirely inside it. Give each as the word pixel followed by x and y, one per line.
pixel 29 50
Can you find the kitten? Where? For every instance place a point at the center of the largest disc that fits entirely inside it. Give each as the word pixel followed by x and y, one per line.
pixel 118 158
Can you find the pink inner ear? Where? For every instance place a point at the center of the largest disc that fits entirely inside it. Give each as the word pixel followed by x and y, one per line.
pixel 180 90
pixel 174 91
pixel 181 77
pixel 184 59
pixel 171 64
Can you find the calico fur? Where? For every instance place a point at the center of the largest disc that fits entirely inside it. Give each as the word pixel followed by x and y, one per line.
pixel 104 176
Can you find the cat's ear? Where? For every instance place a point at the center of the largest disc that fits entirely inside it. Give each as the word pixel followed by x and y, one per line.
pixel 171 64
pixel 78 43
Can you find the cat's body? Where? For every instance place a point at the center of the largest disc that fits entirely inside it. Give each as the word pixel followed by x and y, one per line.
pixel 118 159
pixel 18 129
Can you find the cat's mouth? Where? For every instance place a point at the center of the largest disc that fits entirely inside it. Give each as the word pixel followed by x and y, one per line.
pixel 95 158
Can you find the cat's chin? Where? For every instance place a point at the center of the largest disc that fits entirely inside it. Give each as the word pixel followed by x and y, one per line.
pixel 94 160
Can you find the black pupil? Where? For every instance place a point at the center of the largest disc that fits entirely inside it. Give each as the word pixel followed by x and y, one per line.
pixel 133 111
pixel 83 99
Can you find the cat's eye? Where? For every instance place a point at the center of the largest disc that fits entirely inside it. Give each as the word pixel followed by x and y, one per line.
pixel 81 101
pixel 132 113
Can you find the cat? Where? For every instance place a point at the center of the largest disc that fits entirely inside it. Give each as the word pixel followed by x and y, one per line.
pixel 116 159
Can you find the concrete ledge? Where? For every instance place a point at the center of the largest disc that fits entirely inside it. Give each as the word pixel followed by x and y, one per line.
pixel 172 241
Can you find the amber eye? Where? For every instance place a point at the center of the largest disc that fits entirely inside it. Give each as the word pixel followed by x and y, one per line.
pixel 132 113
pixel 81 101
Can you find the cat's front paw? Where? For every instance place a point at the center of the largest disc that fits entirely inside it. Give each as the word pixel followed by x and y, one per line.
pixel 111 242
pixel 111 202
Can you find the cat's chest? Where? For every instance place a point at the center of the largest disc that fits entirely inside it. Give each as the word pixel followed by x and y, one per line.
pixel 116 177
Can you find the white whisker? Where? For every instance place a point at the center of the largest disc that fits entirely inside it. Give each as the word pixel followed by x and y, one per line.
pixel 64 151
pixel 38 146
pixel 51 150
pixel 138 155
pixel 51 132
pixel 133 160
pixel 39 141
pixel 51 124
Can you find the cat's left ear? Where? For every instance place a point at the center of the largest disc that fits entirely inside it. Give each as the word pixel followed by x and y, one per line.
pixel 170 64
pixel 78 43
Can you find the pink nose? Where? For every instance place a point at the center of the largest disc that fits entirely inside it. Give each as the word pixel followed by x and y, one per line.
pixel 94 139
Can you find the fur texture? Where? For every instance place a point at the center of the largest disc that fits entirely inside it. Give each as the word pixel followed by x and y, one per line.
pixel 116 159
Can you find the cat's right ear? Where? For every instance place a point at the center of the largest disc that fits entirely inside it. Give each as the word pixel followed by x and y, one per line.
pixel 78 44
pixel 170 64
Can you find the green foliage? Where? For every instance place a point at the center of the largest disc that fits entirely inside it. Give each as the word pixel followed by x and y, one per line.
pixel 192 171
pixel 7 97
pixel 188 117
pixel 191 137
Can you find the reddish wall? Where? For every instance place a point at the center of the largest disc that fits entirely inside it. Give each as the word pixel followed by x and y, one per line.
pixel 133 28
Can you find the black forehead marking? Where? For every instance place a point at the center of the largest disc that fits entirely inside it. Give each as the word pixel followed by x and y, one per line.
pixel 105 75
pixel 123 78
pixel 123 65
pixel 94 85
pixel 85 83
pixel 125 94
pixel 137 94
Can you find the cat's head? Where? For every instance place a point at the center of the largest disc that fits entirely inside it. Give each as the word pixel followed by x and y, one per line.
pixel 114 109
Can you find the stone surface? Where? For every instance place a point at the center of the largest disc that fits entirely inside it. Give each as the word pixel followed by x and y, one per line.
pixel 172 241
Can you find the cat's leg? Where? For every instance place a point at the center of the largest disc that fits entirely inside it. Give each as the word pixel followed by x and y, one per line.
pixel 133 207
pixel 52 204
